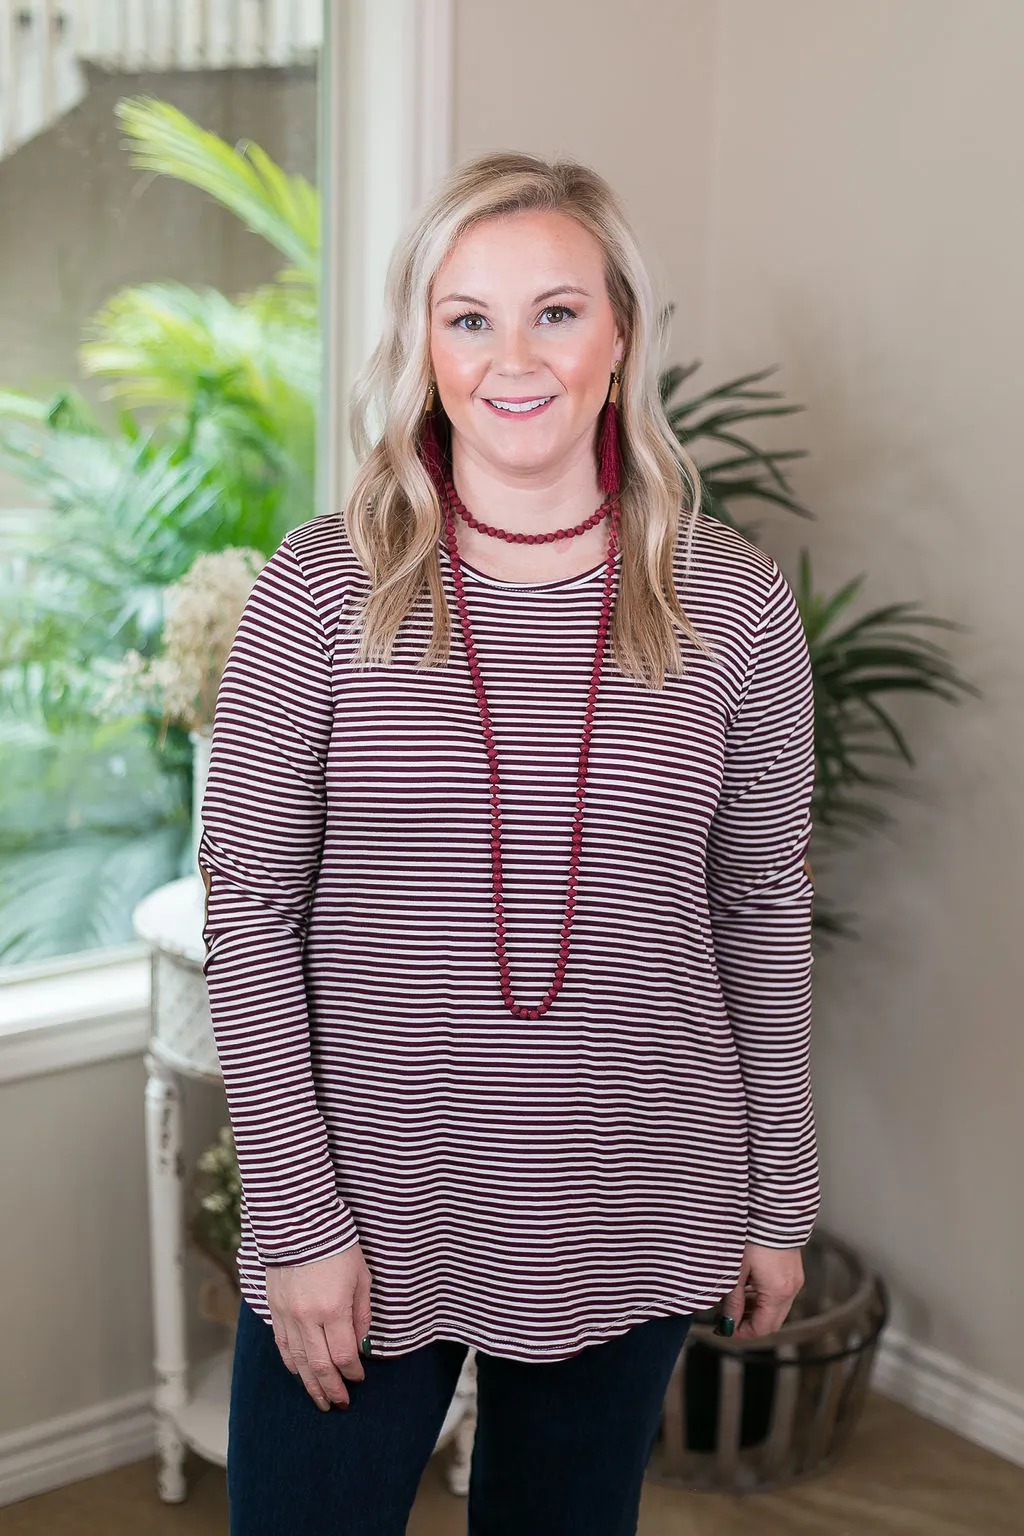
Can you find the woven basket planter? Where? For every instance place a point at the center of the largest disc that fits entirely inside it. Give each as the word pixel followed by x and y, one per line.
pixel 747 1415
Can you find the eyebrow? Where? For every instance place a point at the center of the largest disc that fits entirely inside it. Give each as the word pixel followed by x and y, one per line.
pixel 549 293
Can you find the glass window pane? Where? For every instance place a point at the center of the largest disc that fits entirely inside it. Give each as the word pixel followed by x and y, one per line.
pixel 159 382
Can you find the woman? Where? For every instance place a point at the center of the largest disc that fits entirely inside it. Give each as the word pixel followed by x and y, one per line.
pixel 508 919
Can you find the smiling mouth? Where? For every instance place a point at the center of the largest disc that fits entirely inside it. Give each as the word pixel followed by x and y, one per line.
pixel 521 407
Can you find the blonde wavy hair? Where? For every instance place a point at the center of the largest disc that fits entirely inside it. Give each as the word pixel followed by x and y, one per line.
pixel 393 516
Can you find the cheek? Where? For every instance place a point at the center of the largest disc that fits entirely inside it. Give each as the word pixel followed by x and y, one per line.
pixel 585 373
pixel 453 365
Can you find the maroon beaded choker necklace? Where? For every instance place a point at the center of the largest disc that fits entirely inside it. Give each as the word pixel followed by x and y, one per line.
pixel 524 538
pixel 439 469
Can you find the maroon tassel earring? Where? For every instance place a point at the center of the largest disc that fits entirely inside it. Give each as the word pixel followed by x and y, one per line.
pixel 611 464
pixel 431 448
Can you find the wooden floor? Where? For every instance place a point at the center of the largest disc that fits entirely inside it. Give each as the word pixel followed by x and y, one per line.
pixel 901 1476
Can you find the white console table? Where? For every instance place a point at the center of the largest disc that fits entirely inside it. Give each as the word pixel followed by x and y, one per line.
pixel 192 1407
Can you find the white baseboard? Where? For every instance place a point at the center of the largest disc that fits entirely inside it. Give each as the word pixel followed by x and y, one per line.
pixel 941 1389
pixel 76 1445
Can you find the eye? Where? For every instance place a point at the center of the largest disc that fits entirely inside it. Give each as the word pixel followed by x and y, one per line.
pixel 469 315
pixel 560 310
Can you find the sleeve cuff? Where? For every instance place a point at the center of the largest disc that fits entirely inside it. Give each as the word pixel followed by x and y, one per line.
pixel 342 1235
pixel 780 1233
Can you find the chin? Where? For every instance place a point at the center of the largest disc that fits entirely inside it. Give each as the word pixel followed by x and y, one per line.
pixel 525 463
pixel 523 455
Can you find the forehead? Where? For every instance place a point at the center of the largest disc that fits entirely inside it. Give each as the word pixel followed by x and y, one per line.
pixel 519 248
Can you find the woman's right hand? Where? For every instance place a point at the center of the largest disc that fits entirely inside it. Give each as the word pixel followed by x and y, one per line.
pixel 321 1311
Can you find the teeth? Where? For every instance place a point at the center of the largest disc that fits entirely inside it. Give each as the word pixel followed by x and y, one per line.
pixel 527 405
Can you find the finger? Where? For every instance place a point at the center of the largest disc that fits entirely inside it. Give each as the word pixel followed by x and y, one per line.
pixel 297 1345
pixel 362 1321
pixel 767 1316
pixel 281 1340
pixel 341 1344
pixel 322 1362
pixel 733 1304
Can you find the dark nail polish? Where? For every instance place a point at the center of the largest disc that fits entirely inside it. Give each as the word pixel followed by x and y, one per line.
pixel 365 1345
pixel 725 1326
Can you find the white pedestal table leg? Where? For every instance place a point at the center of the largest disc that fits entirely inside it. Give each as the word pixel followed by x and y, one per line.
pixel 167 1255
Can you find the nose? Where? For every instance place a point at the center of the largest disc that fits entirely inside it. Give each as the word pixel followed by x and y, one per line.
pixel 514 354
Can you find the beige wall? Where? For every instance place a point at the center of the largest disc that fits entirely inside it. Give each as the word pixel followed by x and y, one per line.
pixel 837 188
pixel 627 88
pixel 75 1276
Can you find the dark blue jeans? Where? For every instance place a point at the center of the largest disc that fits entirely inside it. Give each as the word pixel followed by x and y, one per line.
pixel 560 1446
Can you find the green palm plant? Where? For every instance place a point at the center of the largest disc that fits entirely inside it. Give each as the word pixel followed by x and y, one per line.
pixel 857 663
pixel 747 472
pixel 212 446
pixel 283 209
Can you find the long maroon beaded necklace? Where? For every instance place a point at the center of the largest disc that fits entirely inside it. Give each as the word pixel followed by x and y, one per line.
pixel 451 503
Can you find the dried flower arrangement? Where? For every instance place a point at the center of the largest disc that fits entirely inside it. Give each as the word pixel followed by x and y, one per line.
pixel 202 614
pixel 215 1225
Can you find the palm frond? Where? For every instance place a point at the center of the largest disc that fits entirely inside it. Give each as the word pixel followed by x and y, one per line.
pixel 124 518
pixel 283 209
pixel 710 419
pixel 855 667
pixel 161 342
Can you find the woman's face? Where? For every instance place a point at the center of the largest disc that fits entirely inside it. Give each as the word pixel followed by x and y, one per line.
pixel 520 315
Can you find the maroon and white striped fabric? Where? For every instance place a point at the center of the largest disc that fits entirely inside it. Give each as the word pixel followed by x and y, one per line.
pixel 526 1186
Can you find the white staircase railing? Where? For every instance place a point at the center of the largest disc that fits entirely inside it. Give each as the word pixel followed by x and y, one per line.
pixel 44 43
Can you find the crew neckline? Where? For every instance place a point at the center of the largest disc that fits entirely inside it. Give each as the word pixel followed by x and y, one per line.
pixel 529 586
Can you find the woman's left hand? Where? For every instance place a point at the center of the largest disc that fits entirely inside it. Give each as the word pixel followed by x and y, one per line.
pixel 762 1297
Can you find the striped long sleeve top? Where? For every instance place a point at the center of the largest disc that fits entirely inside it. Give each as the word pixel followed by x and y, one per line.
pixel 527 1186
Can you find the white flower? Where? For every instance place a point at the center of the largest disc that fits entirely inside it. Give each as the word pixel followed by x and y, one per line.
pixel 202 613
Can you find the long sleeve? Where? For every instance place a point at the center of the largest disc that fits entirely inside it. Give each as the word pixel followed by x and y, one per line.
pixel 760 898
pixel 263 822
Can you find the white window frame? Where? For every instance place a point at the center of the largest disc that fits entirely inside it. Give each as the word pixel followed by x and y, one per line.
pixel 386 136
